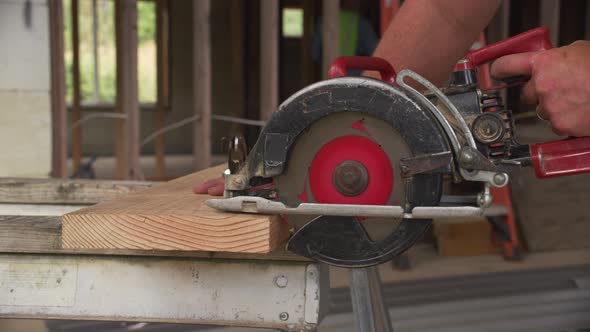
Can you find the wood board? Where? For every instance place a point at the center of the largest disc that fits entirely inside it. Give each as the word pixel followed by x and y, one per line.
pixel 170 217
pixel 470 237
pixel 42 235
pixel 65 191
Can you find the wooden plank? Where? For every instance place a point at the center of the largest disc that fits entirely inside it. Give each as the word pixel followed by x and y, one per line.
pixel 127 149
pixel 307 65
pixel 550 18
pixel 76 86
pixel 202 84
pixel 30 233
pixel 54 191
pixel 163 83
pixel 42 235
pixel 269 58
pixel 171 217
pixel 46 210
pixel 330 34
pixel 59 147
pixel 464 238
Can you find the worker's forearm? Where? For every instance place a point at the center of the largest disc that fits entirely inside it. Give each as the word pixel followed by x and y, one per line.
pixel 429 36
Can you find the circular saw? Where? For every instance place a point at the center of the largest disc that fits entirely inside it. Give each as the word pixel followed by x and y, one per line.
pixel 355 165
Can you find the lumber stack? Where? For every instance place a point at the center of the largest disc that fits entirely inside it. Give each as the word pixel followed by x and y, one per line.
pixel 171 217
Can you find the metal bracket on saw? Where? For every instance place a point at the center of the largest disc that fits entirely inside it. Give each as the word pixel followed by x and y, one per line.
pixel 264 206
pixel 473 166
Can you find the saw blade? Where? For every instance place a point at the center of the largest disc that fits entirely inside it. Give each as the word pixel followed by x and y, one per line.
pixel 343 138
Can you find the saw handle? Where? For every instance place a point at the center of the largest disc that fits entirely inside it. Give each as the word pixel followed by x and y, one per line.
pixel 343 64
pixel 559 158
pixel 530 41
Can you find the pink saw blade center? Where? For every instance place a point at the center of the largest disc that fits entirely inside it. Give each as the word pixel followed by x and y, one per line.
pixel 357 149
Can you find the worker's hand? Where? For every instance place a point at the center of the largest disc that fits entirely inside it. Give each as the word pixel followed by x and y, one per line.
pixel 212 187
pixel 559 84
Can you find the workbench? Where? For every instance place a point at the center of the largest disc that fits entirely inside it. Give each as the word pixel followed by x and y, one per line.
pixel 40 279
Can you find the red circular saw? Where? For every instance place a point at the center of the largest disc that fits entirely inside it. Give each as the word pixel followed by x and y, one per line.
pixel 356 165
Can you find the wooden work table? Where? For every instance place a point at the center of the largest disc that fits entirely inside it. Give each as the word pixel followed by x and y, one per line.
pixel 41 279
pixel 177 213
pixel 88 280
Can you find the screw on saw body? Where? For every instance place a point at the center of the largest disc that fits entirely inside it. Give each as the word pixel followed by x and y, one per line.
pixel 500 179
pixel 283 316
pixel 467 157
pixel 281 281
pixel 350 178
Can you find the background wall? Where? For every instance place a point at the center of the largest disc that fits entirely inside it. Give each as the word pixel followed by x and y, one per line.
pixel 25 138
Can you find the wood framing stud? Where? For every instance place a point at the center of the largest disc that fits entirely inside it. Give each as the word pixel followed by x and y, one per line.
pixel 127 145
pixel 163 82
pixel 59 147
pixel 237 58
pixel 550 18
pixel 76 86
pixel 330 34
pixel 499 27
pixel 202 84
pixel 269 58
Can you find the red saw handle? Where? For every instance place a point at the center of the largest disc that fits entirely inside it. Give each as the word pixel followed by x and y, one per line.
pixel 343 64
pixel 530 41
pixel 551 159
pixel 560 158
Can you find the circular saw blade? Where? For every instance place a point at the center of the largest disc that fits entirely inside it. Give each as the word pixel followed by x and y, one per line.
pixel 294 187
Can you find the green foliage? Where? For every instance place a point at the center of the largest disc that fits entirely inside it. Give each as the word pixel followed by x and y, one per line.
pixel 106 61
pixel 292 22
pixel 146 21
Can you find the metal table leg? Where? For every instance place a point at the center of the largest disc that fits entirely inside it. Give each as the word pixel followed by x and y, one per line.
pixel 367 301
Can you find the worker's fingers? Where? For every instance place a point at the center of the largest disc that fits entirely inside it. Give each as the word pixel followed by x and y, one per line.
pixel 528 94
pixel 216 190
pixel 203 188
pixel 558 132
pixel 542 113
pixel 520 64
